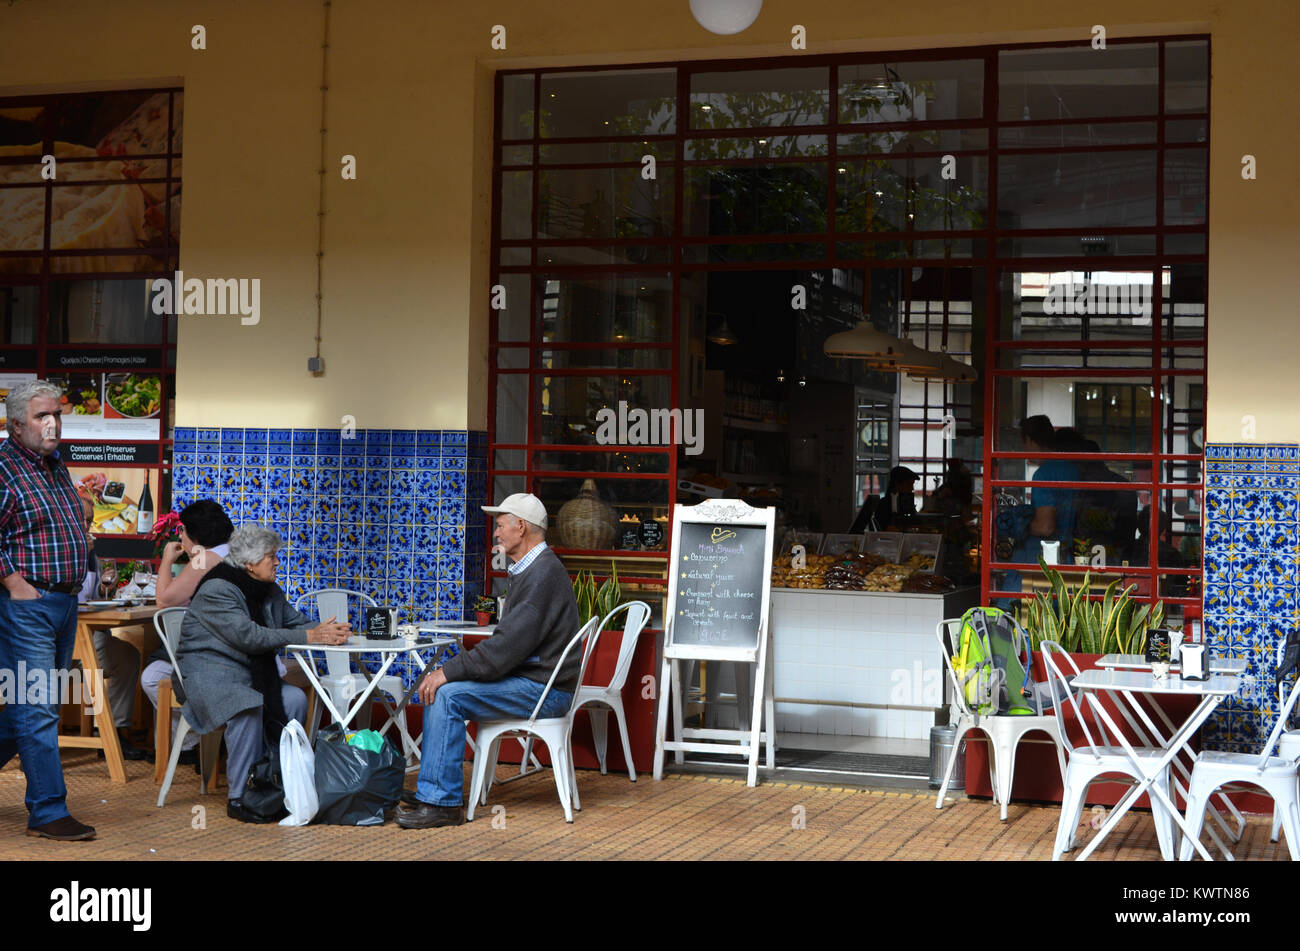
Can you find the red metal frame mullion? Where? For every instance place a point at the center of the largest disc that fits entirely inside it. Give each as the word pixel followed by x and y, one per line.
pixel 534 312
pixel 1157 312
pixel 676 236
pixel 992 323
pixel 493 329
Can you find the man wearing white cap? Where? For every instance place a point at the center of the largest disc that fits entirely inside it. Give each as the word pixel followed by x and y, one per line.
pixel 504 675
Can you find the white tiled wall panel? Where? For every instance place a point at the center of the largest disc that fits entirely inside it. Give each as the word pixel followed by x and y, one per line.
pixel 860 647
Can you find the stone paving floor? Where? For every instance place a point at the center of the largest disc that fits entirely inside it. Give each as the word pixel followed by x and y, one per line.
pixel 685 816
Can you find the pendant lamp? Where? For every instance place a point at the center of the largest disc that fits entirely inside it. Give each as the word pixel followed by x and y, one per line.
pixel 863 342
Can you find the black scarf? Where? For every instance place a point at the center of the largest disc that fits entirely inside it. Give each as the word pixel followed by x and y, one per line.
pixel 266 676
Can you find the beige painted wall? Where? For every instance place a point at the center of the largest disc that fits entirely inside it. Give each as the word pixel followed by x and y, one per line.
pixel 406 265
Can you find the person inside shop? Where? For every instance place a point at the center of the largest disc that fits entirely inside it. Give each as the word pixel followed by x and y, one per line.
pixel 1104 517
pixel 1049 513
pixel 892 508
pixel 955 494
pixel 118 658
pixel 1053 510
pixel 505 675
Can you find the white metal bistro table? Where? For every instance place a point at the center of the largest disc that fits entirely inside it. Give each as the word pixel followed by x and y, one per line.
pixel 1215 664
pixel 1127 683
pixel 389 651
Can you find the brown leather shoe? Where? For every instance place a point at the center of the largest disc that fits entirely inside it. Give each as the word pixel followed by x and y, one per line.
pixel 66 829
pixel 428 816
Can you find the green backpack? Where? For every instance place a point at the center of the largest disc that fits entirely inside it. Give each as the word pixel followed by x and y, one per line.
pixel 986 660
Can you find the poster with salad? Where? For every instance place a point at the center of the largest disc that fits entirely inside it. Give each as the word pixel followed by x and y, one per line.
pixel 111 406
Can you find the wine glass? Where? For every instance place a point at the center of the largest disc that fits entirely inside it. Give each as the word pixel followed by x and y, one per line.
pixel 107 578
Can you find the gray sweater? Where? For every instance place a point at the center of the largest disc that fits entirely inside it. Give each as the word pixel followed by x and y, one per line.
pixel 541 618
pixel 217 643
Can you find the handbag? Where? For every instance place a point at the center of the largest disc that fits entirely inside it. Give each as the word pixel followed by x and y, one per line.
pixel 263 793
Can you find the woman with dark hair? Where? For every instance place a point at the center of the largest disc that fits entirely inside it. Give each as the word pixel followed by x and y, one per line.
pixel 205 531
pixel 238 621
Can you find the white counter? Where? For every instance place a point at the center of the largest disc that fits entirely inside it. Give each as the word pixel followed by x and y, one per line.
pixel 860 663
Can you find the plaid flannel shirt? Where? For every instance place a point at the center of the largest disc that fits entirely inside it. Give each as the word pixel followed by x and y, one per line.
pixel 42 533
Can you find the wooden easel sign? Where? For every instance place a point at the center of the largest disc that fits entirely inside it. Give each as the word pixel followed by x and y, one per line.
pixel 719 598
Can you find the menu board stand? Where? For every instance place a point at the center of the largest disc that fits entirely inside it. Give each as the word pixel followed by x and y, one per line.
pixel 718 609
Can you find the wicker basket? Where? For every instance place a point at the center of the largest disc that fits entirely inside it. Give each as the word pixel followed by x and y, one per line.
pixel 587 522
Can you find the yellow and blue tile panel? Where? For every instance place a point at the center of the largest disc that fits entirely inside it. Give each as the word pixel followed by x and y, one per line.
pixel 1252 560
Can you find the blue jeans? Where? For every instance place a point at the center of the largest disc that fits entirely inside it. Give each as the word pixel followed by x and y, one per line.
pixel 442 746
pixel 40 633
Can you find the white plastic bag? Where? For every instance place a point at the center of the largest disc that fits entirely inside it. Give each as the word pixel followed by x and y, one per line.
pixel 298 771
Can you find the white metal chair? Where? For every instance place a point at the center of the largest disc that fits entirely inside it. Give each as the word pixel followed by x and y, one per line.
pixel 343 685
pixel 1004 732
pixel 1091 761
pixel 1276 775
pixel 555 732
pixel 610 696
pixel 1288 746
pixel 167 623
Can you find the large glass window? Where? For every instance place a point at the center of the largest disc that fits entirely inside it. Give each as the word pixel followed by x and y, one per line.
pixel 1038 212
pixel 90 211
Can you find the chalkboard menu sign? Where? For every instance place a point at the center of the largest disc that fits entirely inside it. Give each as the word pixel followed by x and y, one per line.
pixel 720 574
pixel 652 535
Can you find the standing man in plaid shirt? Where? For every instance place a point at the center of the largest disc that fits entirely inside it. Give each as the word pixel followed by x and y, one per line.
pixel 43 551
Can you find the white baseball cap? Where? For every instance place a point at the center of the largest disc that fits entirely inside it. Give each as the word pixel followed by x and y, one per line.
pixel 525 505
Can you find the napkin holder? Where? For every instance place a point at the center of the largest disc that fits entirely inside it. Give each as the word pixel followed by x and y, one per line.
pixel 381 623
pixel 1193 662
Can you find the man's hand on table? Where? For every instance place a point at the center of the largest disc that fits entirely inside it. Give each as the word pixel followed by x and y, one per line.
pixel 329 632
pixel 19 589
pixel 429 686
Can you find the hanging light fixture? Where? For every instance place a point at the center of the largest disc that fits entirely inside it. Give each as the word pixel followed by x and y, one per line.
pixel 723 336
pixel 942 367
pixel 863 342
pixel 726 17
pixel 916 362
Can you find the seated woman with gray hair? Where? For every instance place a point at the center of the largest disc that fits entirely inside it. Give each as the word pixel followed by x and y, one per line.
pixel 236 623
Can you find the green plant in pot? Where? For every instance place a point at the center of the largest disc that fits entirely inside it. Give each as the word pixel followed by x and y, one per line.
pixel 484 608
pixel 594 600
pixel 1082 551
pixel 1115 624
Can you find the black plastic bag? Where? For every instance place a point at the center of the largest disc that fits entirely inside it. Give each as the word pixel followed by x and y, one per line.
pixel 355 786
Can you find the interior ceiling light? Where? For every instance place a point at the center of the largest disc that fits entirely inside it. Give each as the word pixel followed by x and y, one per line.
pixel 725 17
pixel 947 369
pixel 862 342
pixel 723 336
